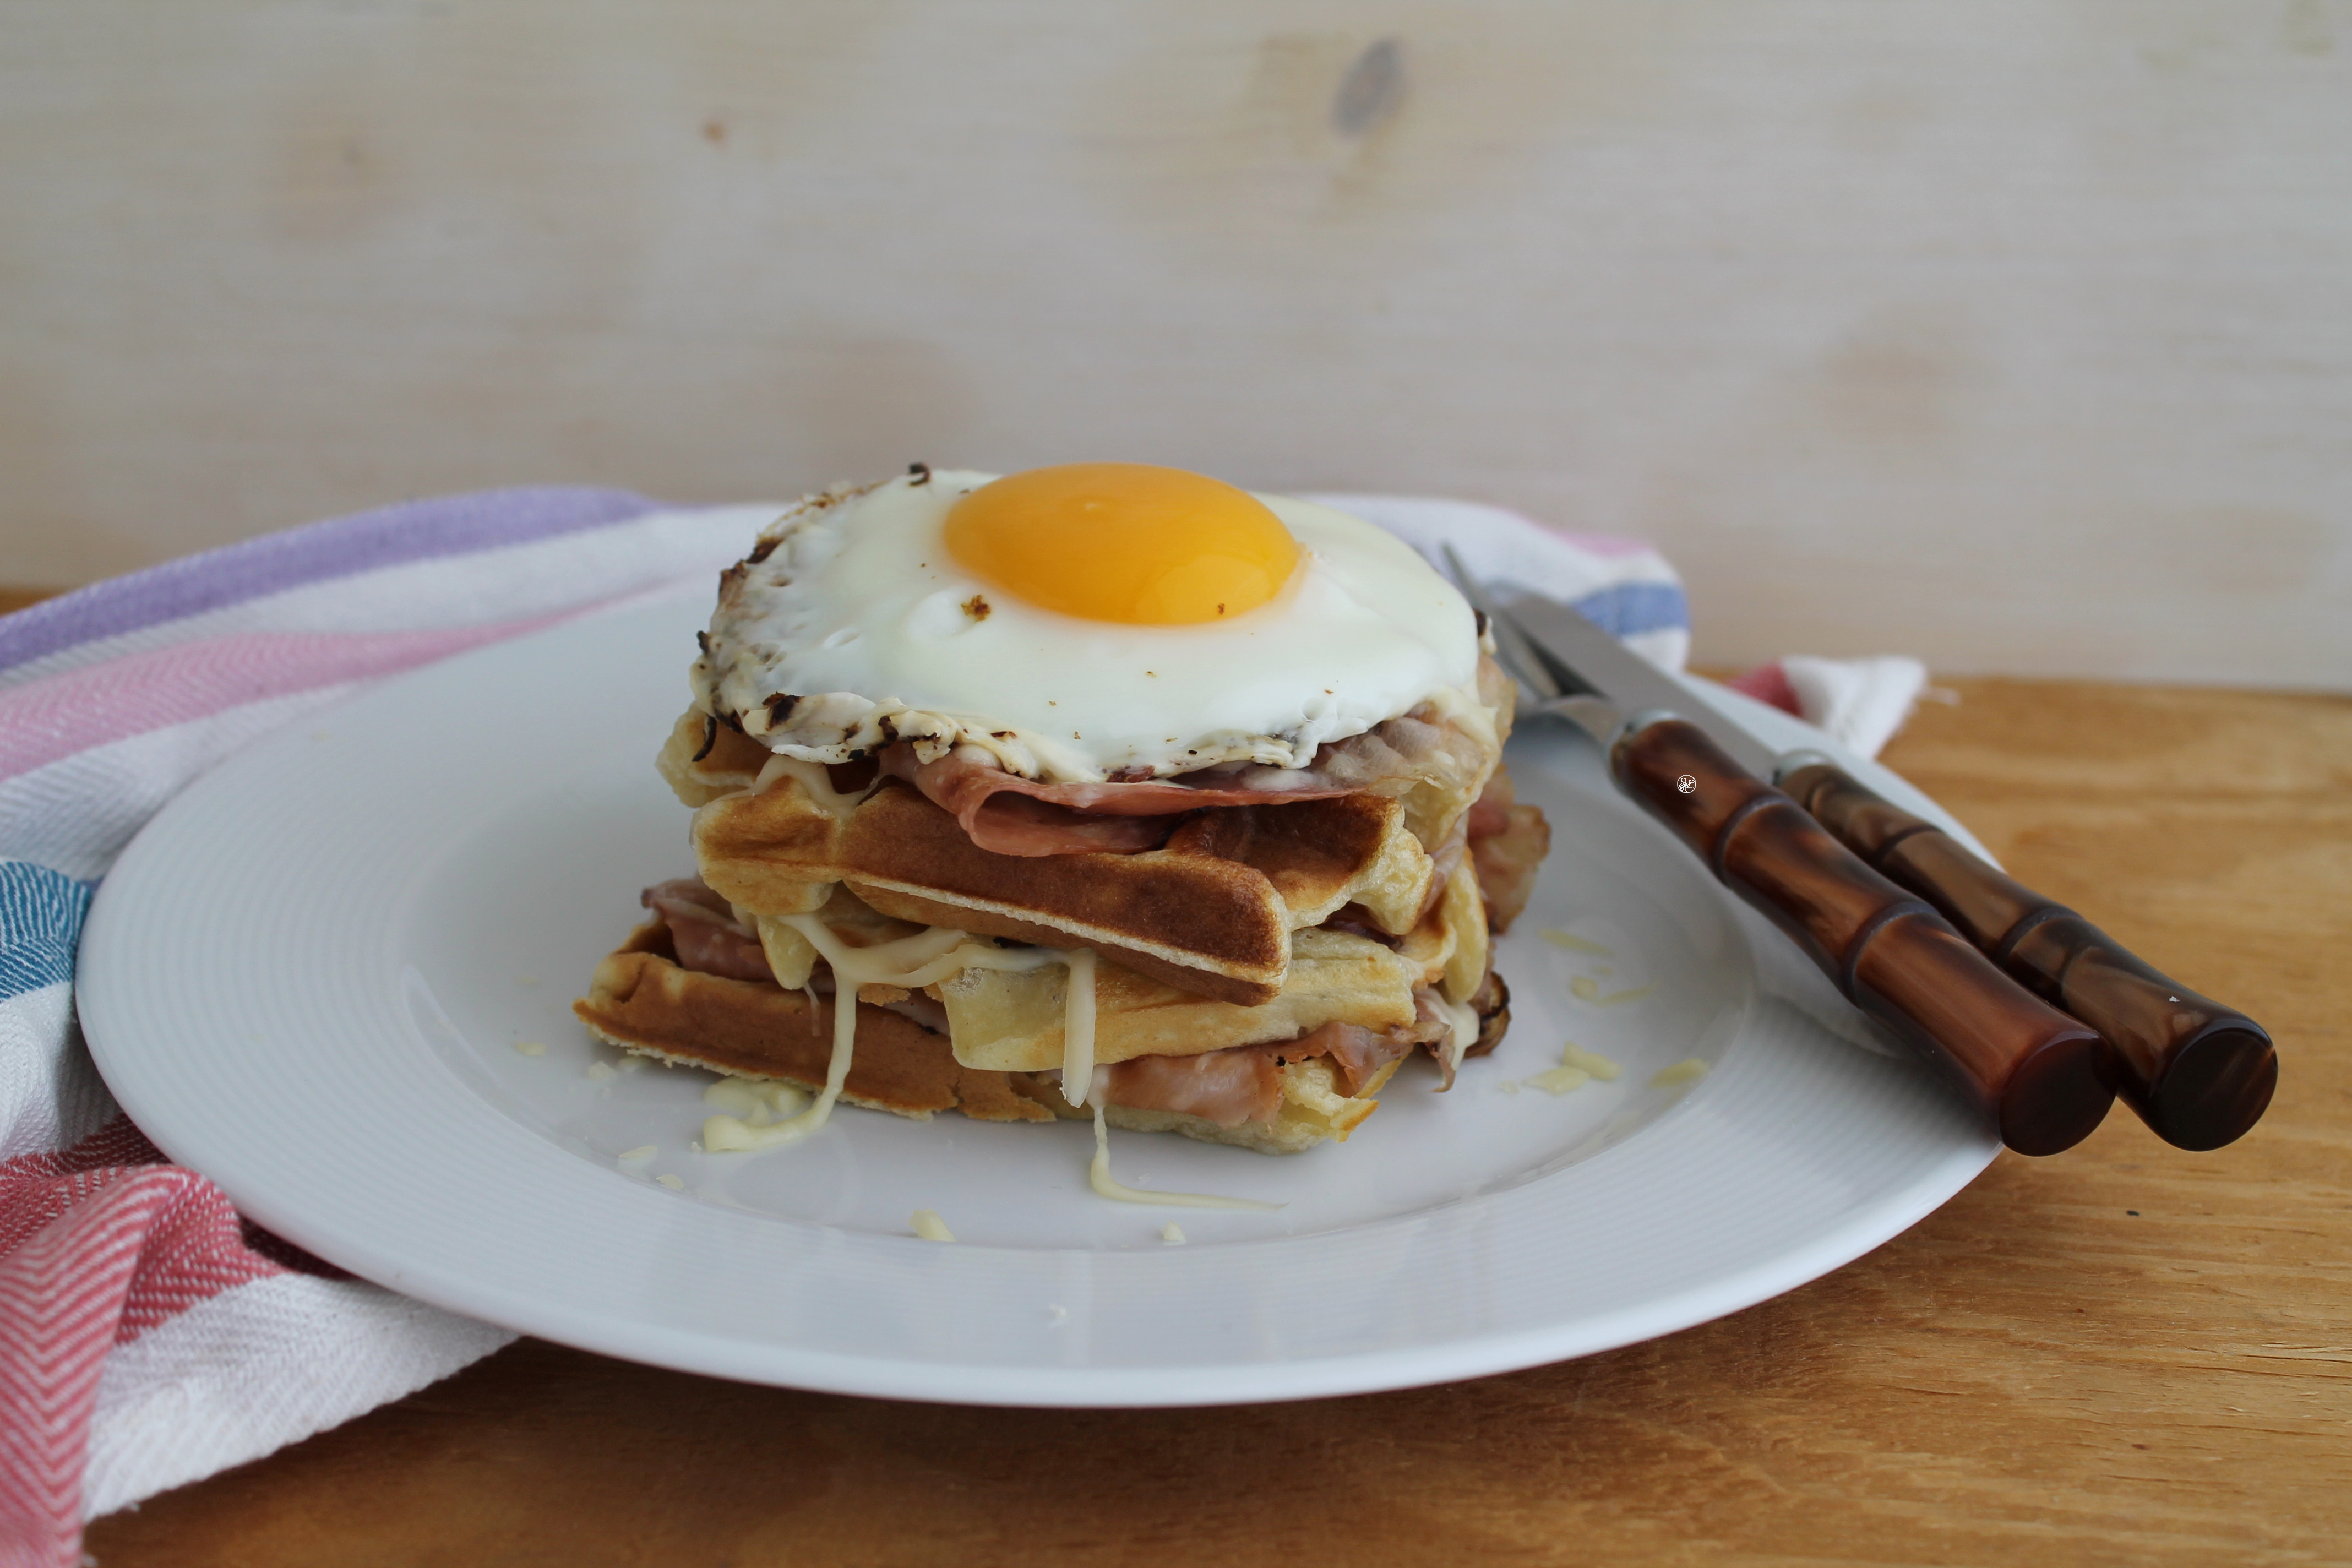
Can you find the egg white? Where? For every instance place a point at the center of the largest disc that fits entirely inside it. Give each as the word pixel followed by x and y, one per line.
pixel 858 612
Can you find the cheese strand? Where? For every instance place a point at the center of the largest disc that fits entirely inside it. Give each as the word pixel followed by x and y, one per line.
pixel 851 968
pixel 1078 1026
pixel 911 963
pixel 1098 1176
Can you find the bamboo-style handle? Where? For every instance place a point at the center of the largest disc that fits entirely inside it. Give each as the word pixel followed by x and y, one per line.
pixel 2042 1074
pixel 2200 1073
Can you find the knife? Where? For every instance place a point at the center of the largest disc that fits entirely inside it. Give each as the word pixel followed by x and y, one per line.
pixel 2199 1073
pixel 2043 1077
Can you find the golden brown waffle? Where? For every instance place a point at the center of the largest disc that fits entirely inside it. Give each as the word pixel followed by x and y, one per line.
pixel 641 1001
pixel 1011 1021
pixel 1211 912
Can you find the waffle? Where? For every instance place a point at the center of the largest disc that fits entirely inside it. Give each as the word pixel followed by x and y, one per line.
pixel 1251 927
pixel 640 1000
pixel 1212 912
pixel 1011 1021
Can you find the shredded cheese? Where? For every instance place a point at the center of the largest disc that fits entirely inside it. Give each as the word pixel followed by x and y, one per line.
pixel 1172 1233
pixel 930 1226
pixel 813 778
pixel 1561 1081
pixel 759 1103
pixel 1575 1056
pixel 1574 943
pixel 1578 1067
pixel 1682 1072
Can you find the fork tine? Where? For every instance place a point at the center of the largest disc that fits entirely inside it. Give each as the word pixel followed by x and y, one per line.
pixel 1511 649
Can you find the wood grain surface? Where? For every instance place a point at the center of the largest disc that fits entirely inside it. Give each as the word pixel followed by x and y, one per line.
pixel 2012 335
pixel 2126 1354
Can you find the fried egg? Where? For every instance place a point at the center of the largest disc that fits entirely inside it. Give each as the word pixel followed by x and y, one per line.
pixel 1080 623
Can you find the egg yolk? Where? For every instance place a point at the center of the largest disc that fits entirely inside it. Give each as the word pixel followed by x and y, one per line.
pixel 1124 541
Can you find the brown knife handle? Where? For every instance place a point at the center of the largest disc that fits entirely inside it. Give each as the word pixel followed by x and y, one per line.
pixel 2041 1073
pixel 2200 1073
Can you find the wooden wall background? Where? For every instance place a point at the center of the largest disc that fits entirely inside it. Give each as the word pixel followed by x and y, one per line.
pixel 2017 334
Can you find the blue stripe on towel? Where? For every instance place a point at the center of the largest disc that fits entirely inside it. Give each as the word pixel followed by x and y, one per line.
pixel 1628 609
pixel 40 919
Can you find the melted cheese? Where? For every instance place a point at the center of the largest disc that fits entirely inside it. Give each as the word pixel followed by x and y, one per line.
pixel 758 1102
pixel 1078 1026
pixel 852 967
pixel 1098 1176
pixel 813 778
pixel 909 963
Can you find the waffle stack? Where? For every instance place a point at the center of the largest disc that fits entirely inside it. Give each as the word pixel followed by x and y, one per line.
pixel 1277 959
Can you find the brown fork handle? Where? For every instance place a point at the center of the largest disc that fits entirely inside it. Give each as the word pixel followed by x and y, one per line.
pixel 2041 1073
pixel 2196 1072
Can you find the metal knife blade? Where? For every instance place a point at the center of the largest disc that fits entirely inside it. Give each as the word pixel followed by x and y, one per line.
pixel 1587 662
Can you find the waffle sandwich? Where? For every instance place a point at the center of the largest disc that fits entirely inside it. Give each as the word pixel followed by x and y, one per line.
pixel 1134 797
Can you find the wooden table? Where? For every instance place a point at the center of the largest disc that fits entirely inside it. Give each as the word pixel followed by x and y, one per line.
pixel 2124 1354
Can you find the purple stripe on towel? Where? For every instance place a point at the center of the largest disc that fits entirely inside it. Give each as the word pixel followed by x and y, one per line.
pixel 388 536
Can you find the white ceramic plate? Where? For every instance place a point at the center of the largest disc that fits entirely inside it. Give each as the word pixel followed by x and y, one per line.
pixel 310 978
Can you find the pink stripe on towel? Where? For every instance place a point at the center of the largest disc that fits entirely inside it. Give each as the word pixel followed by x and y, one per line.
pixel 1613 546
pixel 1768 683
pixel 50 720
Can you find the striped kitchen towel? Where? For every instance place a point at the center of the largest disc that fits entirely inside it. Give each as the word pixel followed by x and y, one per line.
pixel 1626 586
pixel 147 1336
pixel 1621 586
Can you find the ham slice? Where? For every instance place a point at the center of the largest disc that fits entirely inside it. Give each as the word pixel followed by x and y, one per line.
pixel 1009 814
pixel 1507 842
pixel 1228 1087
pixel 1491 1002
pixel 704 930
pixel 1356 1053
pixel 1241 1083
